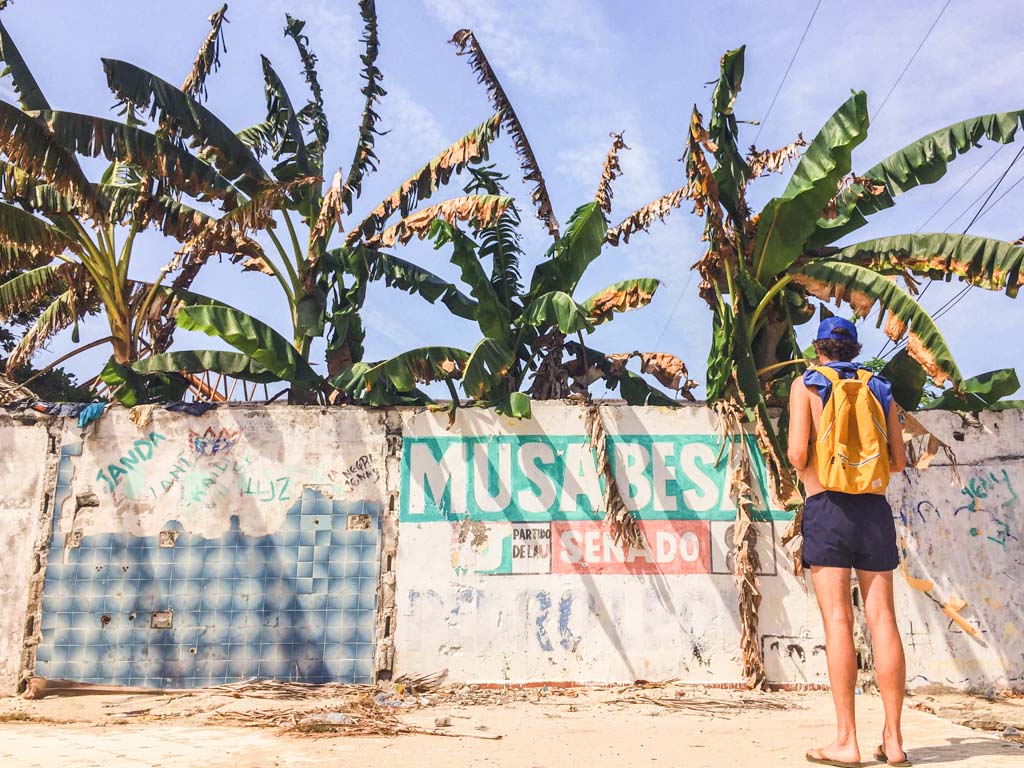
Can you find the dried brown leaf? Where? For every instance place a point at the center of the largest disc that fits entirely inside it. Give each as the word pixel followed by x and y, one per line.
pixel 642 218
pixel 471 148
pixel 484 210
pixel 668 369
pixel 612 300
pixel 468 45
pixel 611 171
pixel 330 209
pixel 208 57
pixel 764 162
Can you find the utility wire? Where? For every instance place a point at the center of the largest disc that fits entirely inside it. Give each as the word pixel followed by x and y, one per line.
pixel 951 303
pixel 959 189
pixel 911 61
pixel 674 310
pixel 778 90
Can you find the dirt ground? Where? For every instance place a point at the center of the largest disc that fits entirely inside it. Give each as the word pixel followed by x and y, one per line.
pixel 261 725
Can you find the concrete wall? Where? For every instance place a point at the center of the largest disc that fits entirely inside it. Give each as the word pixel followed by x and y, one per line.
pixel 24 448
pixel 189 551
pixel 183 550
pixel 505 577
pixel 959 594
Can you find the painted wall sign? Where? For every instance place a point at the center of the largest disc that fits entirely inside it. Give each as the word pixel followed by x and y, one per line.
pixel 538 478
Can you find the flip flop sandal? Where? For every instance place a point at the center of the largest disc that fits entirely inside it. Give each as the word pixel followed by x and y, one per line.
pixel 829 761
pixel 880 757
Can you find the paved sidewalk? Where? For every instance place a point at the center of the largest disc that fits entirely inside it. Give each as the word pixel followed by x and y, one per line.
pixel 535 734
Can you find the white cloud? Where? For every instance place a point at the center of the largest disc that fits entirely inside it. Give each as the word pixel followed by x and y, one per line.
pixel 541 45
pixel 414 133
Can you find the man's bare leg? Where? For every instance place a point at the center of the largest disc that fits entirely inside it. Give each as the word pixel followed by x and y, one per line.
pixel 890 664
pixel 832 587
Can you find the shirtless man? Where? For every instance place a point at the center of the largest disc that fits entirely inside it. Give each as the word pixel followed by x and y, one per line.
pixel 843 531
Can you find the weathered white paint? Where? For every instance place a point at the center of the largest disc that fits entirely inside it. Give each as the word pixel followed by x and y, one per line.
pixel 591 626
pixel 966 537
pixel 22 468
pixel 237 461
pixel 677 618
pixel 520 626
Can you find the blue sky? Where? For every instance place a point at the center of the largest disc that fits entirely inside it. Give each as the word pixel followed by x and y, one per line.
pixel 574 71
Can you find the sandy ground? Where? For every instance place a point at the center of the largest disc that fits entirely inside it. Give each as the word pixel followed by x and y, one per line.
pixel 664 725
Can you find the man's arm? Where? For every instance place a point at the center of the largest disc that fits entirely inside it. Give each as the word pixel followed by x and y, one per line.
pixel 897 450
pixel 799 424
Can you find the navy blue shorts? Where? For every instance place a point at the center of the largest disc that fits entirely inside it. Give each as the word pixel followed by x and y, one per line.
pixel 849 530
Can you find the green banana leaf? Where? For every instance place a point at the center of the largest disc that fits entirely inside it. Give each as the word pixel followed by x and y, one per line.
pixel 492 315
pixel 28 288
pixel 404 275
pixel 189 120
pixel 923 161
pixel 29 93
pixel 364 160
pixel 252 337
pixel 981 261
pixel 788 221
pixel 570 256
pixel 486 367
pixel 130 388
pixel 636 391
pixel 291 142
pixel 556 308
pixel 866 286
pixel 980 393
pixel 159 157
pixel 25 234
pixel 313 113
pixel 907 378
pixel 379 383
pixel 234 364
pixel 515 405
pixel 720 363
pixel 731 171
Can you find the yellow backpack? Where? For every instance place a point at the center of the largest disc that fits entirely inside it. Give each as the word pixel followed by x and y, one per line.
pixel 852 450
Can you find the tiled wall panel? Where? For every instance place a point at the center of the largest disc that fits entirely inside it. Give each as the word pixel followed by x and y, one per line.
pixel 191 602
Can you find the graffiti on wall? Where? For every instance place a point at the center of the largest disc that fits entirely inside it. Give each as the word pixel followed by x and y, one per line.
pixel 521 504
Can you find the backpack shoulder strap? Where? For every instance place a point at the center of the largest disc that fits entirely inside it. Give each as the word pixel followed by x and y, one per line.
pixel 827 372
pixel 864 375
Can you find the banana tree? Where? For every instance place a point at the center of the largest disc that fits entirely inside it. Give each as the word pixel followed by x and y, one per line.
pixel 762 270
pixel 70 241
pixel 324 286
pixel 526 329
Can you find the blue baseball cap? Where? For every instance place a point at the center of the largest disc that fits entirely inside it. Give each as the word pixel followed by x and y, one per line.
pixel 838 328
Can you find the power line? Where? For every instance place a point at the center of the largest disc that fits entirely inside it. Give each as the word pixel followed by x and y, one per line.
pixel 911 61
pixel 674 310
pixel 951 303
pixel 959 189
pixel 778 90
pixel 1000 198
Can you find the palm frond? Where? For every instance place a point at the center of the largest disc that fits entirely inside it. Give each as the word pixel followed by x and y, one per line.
pixel 468 45
pixel 208 58
pixel 30 95
pixel 364 160
pixel 609 173
pixel 471 148
pixel 313 113
pixel 480 210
